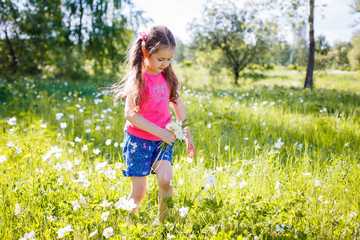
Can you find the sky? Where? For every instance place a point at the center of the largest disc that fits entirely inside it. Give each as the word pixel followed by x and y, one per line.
pixel 335 20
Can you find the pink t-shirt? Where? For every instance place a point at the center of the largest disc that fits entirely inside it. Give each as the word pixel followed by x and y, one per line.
pixel 155 108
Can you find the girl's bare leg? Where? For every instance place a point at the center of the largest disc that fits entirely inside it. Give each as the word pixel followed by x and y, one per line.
pixel 164 175
pixel 138 191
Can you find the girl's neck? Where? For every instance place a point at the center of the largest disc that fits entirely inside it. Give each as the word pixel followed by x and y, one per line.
pixel 151 73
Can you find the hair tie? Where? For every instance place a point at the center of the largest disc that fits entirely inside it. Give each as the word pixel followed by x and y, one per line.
pixel 142 35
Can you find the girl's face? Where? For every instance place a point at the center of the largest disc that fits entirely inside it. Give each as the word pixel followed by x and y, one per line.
pixel 158 61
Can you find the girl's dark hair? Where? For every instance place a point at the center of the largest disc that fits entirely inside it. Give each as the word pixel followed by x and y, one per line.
pixel 133 84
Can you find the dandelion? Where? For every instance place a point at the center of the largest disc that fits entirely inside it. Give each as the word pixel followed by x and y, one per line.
pixel 105 215
pixel 108 142
pixel 63 125
pixel 93 233
pixel 62 231
pixel 2 158
pixel 108 232
pixel 184 211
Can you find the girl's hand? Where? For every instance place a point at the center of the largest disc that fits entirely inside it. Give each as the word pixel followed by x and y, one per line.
pixel 168 137
pixel 190 147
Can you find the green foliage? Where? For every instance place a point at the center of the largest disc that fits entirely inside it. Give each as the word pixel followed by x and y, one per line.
pixel 234 35
pixel 55 39
pixel 354 53
pixel 284 161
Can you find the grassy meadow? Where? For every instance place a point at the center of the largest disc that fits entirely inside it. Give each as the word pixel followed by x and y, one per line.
pixel 273 161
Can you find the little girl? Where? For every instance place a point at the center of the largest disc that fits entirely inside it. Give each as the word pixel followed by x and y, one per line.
pixel 148 87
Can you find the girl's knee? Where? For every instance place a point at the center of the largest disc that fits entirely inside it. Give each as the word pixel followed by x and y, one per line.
pixel 165 183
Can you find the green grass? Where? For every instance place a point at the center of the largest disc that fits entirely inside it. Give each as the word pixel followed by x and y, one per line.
pixel 305 189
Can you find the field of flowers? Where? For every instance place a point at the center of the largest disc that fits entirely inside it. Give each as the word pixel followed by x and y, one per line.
pixel 273 162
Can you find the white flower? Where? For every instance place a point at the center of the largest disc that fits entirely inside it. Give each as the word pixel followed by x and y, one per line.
pixel 277 185
pixel 93 233
pixel 213 229
pixel 210 181
pixel 17 209
pixel 110 173
pixel 279 143
pixel 77 139
pixel 96 151
pixel 307 174
pixel 273 152
pixel 181 181
pixel 97 128
pixel 169 236
pixel 116 144
pixel 10 144
pixel 201 160
pixel 279 228
pixel 120 203
pixel 77 161
pixel 105 215
pixel 100 166
pixel 2 158
pixel 189 159
pixel 75 205
pixel 105 203
pixel 60 181
pixel 12 121
pixel 82 199
pixel 51 218
pixel 59 116
pixel 44 125
pixel 129 205
pixel 29 236
pixel 118 165
pixel 318 183
pixel 108 142
pixel 82 175
pixel 184 211
pixel 226 147
pixel 209 125
pixel 242 184
pixel 63 125
pixel 84 148
pixel 62 231
pixel 108 232
pixel 347 144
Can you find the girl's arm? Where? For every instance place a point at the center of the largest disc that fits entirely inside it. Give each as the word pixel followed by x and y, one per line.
pixel 139 121
pixel 180 113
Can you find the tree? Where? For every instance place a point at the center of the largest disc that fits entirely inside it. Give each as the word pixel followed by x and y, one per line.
pixel 354 53
pixel 237 35
pixel 311 55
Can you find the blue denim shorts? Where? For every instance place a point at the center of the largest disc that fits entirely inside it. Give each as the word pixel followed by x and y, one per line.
pixel 140 154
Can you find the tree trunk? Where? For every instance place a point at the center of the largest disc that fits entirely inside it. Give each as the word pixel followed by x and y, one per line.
pixel 236 73
pixel 311 60
pixel 14 63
